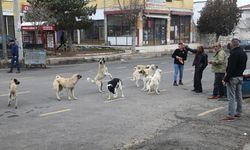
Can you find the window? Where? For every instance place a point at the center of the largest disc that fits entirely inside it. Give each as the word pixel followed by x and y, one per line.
pixel 180 29
pixel 118 26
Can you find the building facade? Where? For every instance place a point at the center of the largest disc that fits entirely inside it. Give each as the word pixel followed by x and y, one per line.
pixel 161 22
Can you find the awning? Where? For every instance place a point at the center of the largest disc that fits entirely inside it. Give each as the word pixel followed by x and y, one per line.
pixel 157 16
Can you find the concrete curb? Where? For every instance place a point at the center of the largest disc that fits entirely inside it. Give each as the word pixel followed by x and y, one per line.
pixel 96 58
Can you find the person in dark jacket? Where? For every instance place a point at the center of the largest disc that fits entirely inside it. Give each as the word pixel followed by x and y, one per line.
pixel 234 78
pixel 15 56
pixel 200 63
pixel 62 40
pixel 179 55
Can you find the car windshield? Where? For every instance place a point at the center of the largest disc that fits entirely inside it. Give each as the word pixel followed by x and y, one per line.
pixel 244 42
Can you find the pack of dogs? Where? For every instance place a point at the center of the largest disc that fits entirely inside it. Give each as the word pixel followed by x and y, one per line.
pixel 149 75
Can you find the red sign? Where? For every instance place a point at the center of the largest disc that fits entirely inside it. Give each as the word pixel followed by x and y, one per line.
pixel 48 28
pixel 30 28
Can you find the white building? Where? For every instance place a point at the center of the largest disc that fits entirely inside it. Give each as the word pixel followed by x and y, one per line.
pixel 242 31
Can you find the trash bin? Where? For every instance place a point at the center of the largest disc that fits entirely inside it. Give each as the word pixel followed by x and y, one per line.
pixel 246 83
pixel 34 55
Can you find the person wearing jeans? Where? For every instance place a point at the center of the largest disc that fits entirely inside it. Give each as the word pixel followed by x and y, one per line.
pixel 234 79
pixel 15 56
pixel 179 55
pixel 219 64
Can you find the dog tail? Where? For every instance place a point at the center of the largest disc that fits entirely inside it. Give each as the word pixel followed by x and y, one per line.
pixel 90 80
pixel 57 84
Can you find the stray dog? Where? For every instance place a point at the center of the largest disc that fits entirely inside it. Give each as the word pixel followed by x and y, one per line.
pixel 101 73
pixel 154 82
pixel 67 83
pixel 12 92
pixel 148 73
pixel 137 76
pixel 113 87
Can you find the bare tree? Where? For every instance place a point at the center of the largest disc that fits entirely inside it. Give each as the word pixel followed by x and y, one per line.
pixel 131 10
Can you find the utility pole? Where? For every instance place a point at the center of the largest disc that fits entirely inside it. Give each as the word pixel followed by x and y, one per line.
pixel 105 24
pixel 4 42
pixel 17 22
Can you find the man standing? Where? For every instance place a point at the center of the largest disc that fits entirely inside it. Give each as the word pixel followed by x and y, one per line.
pixel 15 56
pixel 200 63
pixel 234 79
pixel 219 64
pixel 179 55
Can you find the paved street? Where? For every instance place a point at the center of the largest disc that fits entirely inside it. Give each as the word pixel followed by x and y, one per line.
pixel 175 119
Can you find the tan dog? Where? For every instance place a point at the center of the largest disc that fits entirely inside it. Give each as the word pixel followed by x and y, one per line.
pixel 12 92
pixel 102 72
pixel 137 76
pixel 148 73
pixel 67 83
pixel 154 82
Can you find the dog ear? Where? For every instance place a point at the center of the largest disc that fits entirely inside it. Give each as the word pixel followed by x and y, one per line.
pixel 156 67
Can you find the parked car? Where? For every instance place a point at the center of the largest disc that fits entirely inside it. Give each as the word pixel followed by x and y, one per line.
pixel 245 44
pixel 9 38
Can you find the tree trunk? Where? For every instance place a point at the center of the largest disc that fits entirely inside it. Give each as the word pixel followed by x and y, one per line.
pixel 217 37
pixel 4 42
pixel 133 50
pixel 69 41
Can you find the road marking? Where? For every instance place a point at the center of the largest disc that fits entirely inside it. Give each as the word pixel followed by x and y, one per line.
pixel 114 100
pixel 18 93
pixel 54 112
pixel 209 111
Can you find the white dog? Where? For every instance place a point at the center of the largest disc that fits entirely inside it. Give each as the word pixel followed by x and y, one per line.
pixel 113 86
pixel 154 82
pixel 12 92
pixel 148 73
pixel 137 76
pixel 67 83
pixel 101 73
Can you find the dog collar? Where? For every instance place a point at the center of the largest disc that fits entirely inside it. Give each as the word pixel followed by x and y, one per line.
pixel 109 85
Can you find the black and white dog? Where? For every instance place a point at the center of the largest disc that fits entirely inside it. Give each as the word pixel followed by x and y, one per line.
pixel 113 86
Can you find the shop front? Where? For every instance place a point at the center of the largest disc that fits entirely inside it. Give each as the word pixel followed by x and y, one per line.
pixel 39 34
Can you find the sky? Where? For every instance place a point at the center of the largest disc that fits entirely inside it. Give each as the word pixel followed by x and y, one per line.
pixel 243 2
pixel 240 2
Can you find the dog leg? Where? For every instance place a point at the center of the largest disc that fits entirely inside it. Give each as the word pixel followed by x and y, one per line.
pixel 108 74
pixel 137 83
pixel 15 102
pixel 157 91
pixel 109 96
pixel 57 96
pixel 9 100
pixel 115 95
pixel 68 93
pixel 73 94
pixel 121 92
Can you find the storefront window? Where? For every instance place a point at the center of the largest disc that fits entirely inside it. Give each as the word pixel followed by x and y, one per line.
pixel 154 31
pixel 180 29
pixel 94 34
pixel 118 26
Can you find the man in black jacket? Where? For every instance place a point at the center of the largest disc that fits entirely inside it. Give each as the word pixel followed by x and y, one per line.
pixel 234 79
pixel 200 63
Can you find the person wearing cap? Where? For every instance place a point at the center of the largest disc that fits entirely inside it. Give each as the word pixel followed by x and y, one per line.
pixel 179 55
pixel 234 78
pixel 219 64
pixel 15 56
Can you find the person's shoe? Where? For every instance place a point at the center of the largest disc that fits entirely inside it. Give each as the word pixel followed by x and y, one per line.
pixel 10 72
pixel 194 90
pixel 213 97
pixel 18 72
pixel 175 83
pixel 237 115
pixel 180 82
pixel 228 118
pixel 198 91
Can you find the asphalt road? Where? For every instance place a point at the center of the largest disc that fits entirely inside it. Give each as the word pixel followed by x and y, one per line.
pixel 175 119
